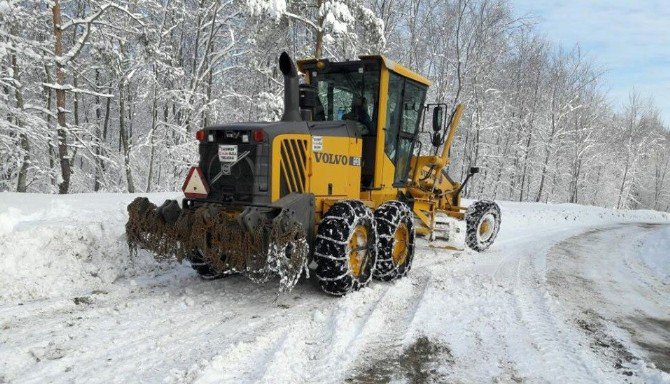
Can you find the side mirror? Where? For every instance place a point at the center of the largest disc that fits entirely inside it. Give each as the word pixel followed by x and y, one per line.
pixel 438 114
pixel 474 170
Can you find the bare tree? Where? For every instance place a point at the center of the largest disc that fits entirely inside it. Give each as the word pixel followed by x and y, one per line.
pixel 105 95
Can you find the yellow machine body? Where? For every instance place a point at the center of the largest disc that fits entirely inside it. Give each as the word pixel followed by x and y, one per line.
pixel 334 168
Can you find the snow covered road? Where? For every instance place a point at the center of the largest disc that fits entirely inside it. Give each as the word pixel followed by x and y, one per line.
pixel 567 294
pixel 611 279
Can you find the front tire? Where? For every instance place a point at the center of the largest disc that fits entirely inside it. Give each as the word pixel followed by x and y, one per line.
pixel 344 249
pixel 482 224
pixel 395 231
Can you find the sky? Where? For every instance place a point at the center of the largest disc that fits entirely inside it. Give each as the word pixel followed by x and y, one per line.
pixel 629 40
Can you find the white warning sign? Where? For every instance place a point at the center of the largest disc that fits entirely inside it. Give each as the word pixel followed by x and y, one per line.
pixel 227 153
pixel 317 143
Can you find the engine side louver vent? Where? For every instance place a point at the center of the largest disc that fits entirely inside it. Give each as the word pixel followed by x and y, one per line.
pixel 293 166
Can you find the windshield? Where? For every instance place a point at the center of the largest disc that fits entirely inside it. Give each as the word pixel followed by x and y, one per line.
pixel 348 93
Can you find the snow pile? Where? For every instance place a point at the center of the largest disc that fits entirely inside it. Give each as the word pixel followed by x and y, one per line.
pixel 55 246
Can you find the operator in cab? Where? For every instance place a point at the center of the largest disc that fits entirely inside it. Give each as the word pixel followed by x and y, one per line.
pixel 359 113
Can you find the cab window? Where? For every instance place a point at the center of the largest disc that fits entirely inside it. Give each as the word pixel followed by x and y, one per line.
pixel 403 111
pixel 348 92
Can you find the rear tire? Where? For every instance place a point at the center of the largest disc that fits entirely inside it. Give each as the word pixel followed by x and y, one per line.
pixel 395 245
pixel 483 223
pixel 203 268
pixel 344 249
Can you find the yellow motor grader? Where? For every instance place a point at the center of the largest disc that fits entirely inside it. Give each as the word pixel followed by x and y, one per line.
pixel 338 186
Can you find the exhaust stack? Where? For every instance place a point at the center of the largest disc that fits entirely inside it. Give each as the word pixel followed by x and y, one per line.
pixel 291 89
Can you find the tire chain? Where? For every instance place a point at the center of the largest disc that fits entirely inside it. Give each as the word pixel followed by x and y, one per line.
pixel 388 217
pixel 330 247
pixel 476 211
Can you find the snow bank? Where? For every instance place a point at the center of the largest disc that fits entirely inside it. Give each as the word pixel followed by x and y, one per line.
pixel 526 217
pixel 62 246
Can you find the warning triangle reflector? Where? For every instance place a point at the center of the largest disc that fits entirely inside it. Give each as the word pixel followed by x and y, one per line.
pixel 195 186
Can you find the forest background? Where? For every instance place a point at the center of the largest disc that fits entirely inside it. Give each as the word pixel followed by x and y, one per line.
pixel 102 95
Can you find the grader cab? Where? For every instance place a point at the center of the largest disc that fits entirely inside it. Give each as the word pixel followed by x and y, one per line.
pixel 337 186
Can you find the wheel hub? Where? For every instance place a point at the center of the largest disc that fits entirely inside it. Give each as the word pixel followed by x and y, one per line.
pixel 400 245
pixel 486 226
pixel 358 245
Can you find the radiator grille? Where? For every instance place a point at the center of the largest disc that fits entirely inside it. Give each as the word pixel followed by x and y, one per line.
pixel 293 166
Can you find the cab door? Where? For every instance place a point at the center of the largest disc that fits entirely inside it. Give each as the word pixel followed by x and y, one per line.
pixel 404 107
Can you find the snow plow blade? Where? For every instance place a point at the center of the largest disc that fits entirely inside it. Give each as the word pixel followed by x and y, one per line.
pixel 258 242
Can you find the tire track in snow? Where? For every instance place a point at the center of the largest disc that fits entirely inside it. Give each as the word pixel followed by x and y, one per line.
pixel 400 309
pixel 369 323
pixel 558 352
pixel 535 314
